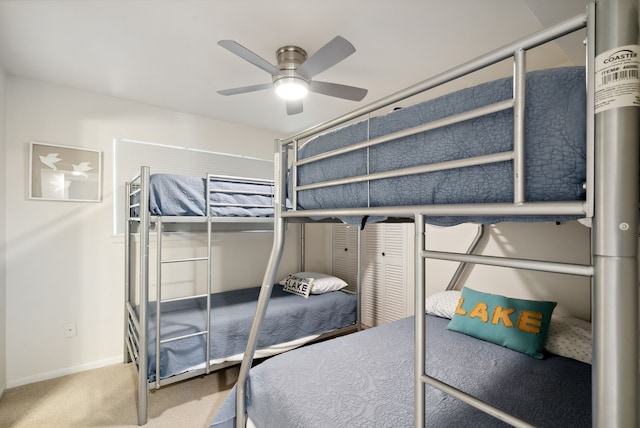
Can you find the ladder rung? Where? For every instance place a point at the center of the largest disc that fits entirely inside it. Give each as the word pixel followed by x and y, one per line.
pixel 200 333
pixel 192 259
pixel 177 299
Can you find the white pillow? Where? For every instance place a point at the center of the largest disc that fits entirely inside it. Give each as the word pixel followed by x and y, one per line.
pixel 322 283
pixel 569 337
pixel 443 303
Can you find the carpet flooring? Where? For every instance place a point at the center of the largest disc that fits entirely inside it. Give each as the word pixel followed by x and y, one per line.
pixel 107 397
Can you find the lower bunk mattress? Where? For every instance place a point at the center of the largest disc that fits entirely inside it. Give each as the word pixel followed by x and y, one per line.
pixel 182 195
pixel 289 317
pixel 366 379
pixel 555 151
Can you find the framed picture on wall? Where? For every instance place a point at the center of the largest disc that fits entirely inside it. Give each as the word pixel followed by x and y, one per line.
pixel 63 173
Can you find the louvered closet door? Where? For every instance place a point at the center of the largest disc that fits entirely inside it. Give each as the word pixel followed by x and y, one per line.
pixel 384 276
pixel 344 254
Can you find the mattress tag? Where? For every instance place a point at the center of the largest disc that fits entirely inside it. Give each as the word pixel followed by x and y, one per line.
pixel 617 83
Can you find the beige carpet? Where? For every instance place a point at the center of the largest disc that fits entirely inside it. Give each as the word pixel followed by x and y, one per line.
pixel 106 397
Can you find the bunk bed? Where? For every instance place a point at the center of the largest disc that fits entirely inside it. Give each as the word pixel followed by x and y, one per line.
pixel 600 186
pixel 171 339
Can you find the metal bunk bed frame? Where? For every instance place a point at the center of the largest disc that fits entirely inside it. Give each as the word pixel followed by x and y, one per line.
pixel 136 324
pixel 612 186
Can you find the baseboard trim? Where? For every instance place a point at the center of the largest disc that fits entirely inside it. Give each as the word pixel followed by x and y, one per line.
pixel 63 372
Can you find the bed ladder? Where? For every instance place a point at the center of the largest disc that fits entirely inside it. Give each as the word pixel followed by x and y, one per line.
pixel 209 189
pixel 161 262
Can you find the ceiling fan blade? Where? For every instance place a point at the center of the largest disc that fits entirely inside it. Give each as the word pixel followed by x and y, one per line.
pixel 245 89
pixel 294 107
pixel 336 90
pixel 244 53
pixel 327 56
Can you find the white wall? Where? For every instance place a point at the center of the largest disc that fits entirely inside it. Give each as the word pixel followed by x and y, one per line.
pixel 62 263
pixel 3 301
pixel 567 242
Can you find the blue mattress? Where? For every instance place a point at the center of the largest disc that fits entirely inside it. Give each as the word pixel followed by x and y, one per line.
pixel 555 155
pixel 366 380
pixel 181 195
pixel 288 317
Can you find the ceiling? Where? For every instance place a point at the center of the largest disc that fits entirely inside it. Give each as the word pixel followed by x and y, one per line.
pixel 165 53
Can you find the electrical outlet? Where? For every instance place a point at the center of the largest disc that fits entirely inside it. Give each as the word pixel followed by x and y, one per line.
pixel 70 329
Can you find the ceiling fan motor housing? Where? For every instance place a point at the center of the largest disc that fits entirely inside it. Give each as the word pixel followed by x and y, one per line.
pixel 289 59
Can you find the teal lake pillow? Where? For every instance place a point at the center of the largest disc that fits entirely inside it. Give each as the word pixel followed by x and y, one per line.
pixel 517 324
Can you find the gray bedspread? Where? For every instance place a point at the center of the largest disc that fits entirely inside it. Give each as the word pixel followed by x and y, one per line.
pixel 288 317
pixel 366 380
pixel 555 135
pixel 181 195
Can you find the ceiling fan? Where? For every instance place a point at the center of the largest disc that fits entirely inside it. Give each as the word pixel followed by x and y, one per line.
pixel 292 77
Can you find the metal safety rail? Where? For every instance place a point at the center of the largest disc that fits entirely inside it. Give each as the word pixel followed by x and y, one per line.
pixel 612 187
pixel 140 223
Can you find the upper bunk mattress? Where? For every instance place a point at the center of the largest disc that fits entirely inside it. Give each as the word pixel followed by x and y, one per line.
pixel 288 317
pixel 555 150
pixel 182 195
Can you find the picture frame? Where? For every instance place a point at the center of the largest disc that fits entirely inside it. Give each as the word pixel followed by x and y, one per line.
pixel 64 173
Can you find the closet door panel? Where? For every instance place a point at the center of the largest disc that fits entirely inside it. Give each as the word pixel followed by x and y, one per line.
pixel 395 292
pixel 395 241
pixel 346 269
pixel 374 241
pixel 385 282
pixel 385 265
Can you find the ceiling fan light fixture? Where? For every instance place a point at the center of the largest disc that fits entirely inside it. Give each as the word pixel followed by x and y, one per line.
pixel 292 77
pixel 291 88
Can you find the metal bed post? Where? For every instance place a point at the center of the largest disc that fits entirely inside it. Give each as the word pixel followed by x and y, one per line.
pixel 209 274
pixel 144 296
pixel 159 226
pixel 615 227
pixel 419 363
pixel 280 192
pixel 294 174
pixel 359 282
pixel 519 85
pixel 302 247
pixel 127 269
